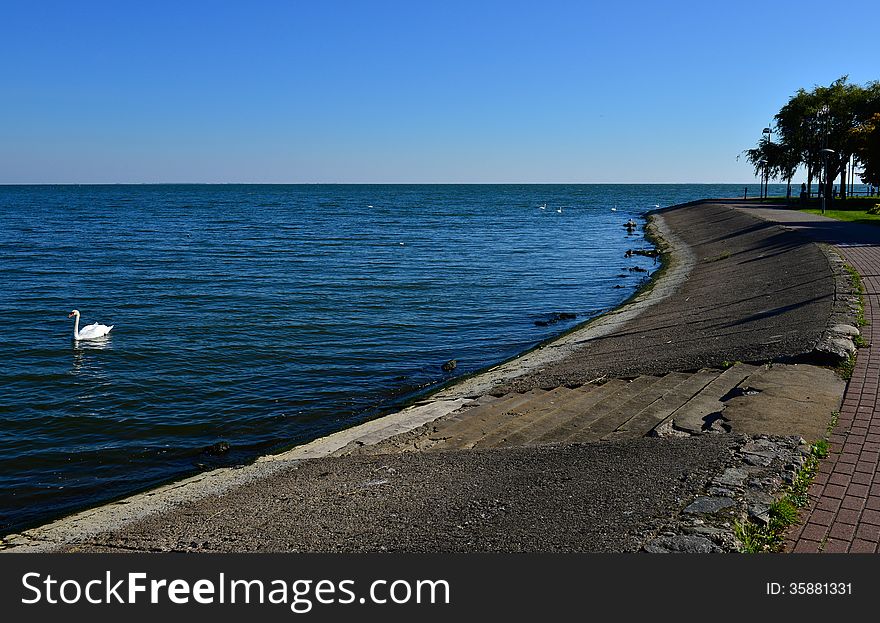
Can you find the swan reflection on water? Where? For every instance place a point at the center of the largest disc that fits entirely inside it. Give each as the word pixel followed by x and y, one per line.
pixel 81 350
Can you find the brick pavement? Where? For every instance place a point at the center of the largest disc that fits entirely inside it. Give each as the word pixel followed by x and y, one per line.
pixel 844 510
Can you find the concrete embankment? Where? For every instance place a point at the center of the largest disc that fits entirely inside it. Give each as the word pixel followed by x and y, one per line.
pixel 549 452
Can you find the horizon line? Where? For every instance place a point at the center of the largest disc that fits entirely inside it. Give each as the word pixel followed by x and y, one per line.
pixel 387 183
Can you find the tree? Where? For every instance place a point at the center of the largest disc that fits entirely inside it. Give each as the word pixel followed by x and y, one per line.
pixel 761 157
pixel 840 117
pixel 774 161
pixel 836 117
pixel 797 126
pixel 866 138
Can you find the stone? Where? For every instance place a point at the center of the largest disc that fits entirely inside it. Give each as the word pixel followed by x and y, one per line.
pixel 757 460
pixel 845 329
pixel 708 505
pixel 449 366
pixel 838 347
pixel 217 449
pixel 760 513
pixel 721 491
pixel 555 317
pixel 732 477
pixel 682 543
pixel 707 531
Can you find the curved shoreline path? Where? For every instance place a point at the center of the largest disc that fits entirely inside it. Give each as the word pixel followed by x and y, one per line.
pixel 844 512
pixel 645 429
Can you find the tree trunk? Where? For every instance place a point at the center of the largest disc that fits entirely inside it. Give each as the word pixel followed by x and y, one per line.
pixel 809 180
pixel 843 183
pixel 788 192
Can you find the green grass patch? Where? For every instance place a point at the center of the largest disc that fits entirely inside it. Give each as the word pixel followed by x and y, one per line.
pixel 846 367
pixel 851 216
pixel 835 416
pixel 856 280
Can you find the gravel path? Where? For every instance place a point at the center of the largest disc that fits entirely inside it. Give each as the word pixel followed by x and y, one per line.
pixel 591 497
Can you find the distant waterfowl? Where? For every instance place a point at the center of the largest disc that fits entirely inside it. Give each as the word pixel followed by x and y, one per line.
pixel 614 209
pixel 543 206
pixel 89 332
pixel 630 225
pixel 559 210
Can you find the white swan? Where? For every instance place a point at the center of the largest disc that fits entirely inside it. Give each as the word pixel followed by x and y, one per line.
pixel 88 332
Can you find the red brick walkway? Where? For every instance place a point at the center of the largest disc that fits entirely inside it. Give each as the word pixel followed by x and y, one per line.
pixel 844 510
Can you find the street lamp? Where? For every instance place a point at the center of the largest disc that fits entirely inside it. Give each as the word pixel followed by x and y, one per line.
pixel 825 154
pixel 769 133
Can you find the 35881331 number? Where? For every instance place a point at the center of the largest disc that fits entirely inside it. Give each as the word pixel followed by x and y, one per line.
pixel 820 588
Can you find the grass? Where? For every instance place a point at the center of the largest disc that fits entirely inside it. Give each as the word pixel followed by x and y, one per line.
pixel 756 538
pixel 846 367
pixel 858 287
pixel 851 216
pixel 835 416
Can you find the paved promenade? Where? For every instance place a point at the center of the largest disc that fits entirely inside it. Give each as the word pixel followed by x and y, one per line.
pixel 844 511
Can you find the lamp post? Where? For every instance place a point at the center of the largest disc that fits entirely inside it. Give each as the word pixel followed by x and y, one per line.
pixel 763 164
pixel 825 154
pixel 769 133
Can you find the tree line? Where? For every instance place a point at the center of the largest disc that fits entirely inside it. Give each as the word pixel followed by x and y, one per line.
pixel 824 130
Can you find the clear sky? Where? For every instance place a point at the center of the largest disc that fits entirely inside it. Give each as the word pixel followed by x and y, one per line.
pixel 410 91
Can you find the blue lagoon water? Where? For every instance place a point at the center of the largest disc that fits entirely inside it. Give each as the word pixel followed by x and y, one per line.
pixel 266 316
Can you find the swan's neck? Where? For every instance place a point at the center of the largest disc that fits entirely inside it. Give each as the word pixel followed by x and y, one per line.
pixel 76 327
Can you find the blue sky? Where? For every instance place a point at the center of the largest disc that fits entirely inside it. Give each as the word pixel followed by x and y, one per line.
pixel 331 91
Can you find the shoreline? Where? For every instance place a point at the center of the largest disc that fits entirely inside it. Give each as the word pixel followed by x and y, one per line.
pixel 676 261
pixel 703 321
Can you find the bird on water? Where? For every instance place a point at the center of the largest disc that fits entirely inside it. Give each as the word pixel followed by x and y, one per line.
pixel 89 332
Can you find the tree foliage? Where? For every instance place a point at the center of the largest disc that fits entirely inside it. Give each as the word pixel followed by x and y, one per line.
pixel 843 117
pixel 866 137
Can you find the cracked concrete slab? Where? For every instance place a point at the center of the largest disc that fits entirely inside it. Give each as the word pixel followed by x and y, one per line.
pixel 787 400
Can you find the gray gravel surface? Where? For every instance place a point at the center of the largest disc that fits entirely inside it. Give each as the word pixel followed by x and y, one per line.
pixel 607 497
